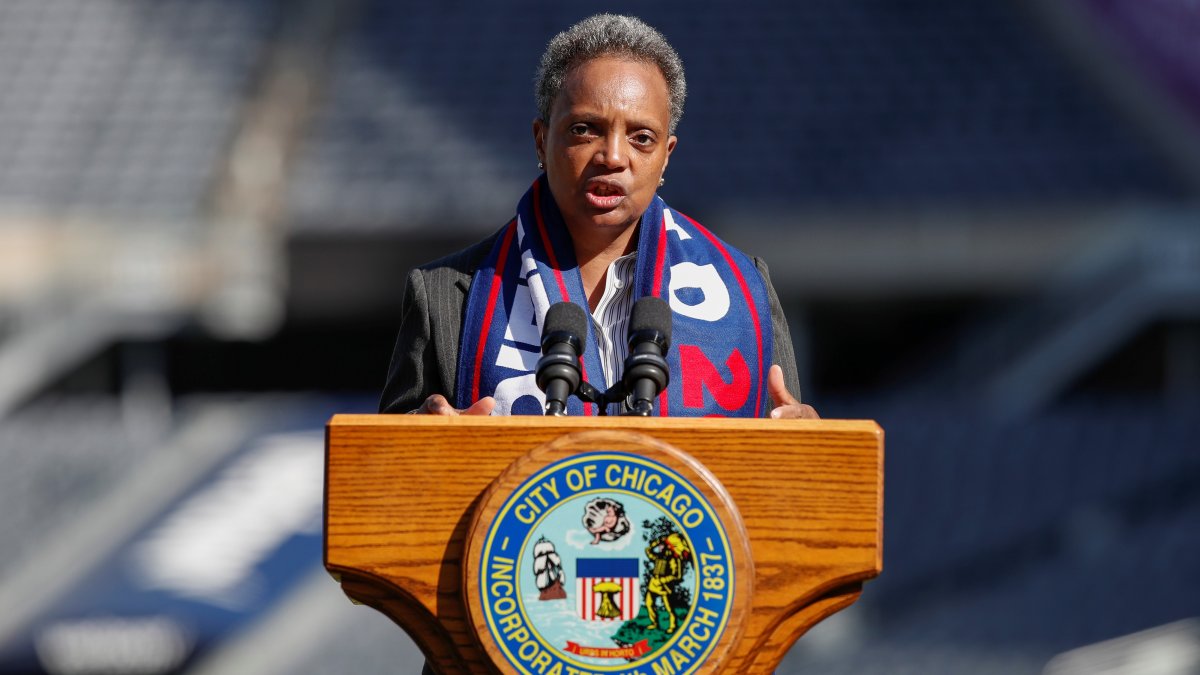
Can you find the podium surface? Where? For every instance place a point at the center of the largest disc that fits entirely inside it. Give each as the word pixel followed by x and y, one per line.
pixel 408 496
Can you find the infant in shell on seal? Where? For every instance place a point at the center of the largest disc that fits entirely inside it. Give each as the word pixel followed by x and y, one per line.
pixel 605 519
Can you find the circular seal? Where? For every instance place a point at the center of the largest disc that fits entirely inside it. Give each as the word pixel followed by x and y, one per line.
pixel 605 561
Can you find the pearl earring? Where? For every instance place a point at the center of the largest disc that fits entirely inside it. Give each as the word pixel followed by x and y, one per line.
pixel 661 181
pixel 541 165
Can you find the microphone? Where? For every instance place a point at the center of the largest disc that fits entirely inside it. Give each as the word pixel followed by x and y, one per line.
pixel 646 373
pixel 564 337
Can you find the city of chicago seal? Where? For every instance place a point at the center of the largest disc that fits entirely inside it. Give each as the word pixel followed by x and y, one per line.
pixel 606 562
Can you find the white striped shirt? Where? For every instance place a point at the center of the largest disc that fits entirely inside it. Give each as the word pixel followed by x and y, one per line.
pixel 611 320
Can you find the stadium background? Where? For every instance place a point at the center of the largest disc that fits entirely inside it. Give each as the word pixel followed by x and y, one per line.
pixel 982 218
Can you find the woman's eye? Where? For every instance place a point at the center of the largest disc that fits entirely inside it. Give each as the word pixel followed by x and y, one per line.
pixel 643 139
pixel 579 129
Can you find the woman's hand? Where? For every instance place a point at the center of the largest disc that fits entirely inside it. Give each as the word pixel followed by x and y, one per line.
pixel 437 404
pixel 785 406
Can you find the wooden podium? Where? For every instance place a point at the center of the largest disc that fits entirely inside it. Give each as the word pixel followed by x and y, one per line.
pixel 412 502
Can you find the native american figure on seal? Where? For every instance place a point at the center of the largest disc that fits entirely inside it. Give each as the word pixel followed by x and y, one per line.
pixel 668 555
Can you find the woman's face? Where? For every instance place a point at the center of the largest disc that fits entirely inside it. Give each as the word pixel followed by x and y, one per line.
pixel 606 143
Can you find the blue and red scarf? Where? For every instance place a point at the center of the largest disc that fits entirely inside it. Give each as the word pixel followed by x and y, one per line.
pixel 721 335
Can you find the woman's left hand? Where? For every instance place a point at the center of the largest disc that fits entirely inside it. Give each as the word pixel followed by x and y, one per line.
pixel 785 406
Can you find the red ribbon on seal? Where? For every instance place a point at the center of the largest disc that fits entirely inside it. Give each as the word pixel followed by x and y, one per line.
pixel 630 652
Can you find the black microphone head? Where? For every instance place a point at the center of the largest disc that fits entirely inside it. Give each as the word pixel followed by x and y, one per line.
pixel 651 315
pixel 564 320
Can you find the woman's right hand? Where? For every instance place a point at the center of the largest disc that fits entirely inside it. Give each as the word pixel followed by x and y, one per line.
pixel 437 404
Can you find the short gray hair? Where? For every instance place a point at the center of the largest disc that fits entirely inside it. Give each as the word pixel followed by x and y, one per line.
pixel 608 35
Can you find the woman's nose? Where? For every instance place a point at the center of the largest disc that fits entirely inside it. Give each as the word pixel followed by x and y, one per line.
pixel 611 154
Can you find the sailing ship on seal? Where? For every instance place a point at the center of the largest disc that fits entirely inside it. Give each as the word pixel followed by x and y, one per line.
pixel 548 568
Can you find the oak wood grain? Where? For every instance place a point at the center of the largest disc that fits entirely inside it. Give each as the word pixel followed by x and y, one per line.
pixel 402 491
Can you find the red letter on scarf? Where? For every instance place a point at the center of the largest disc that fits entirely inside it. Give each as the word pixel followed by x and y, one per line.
pixel 699 374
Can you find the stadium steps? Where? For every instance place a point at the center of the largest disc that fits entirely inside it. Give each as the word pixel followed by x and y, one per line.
pixel 1019 360
pixel 122 108
pixel 90 509
pixel 794 106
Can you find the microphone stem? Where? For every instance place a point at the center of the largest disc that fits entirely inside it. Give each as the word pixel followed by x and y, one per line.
pixel 640 409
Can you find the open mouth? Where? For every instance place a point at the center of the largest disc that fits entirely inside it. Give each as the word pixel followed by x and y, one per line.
pixel 604 195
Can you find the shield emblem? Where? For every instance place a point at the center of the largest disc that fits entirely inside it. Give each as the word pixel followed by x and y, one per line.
pixel 607 588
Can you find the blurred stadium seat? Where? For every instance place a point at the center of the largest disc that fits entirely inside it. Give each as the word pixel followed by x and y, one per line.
pixel 819 104
pixel 119 108
pixel 897 148
pixel 59 455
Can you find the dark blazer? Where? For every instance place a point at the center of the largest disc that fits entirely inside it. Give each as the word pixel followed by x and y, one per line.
pixel 425 359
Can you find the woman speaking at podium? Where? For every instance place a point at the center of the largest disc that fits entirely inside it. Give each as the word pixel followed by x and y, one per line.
pixel 592 230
